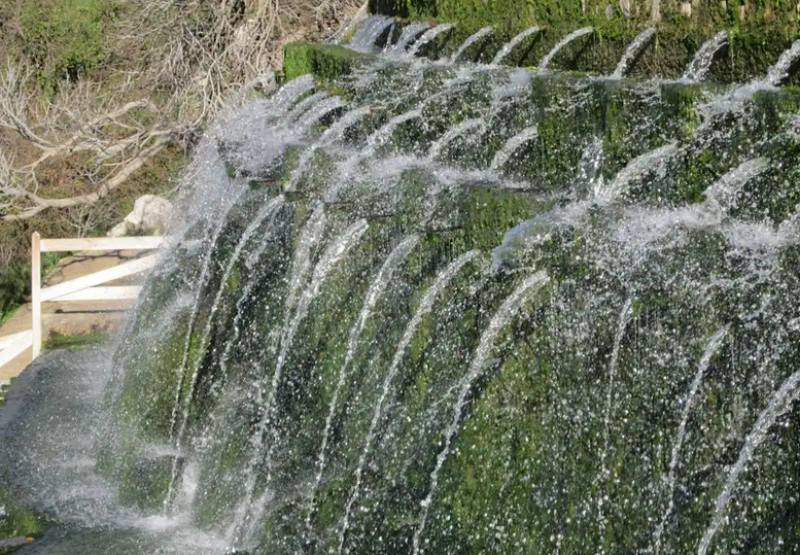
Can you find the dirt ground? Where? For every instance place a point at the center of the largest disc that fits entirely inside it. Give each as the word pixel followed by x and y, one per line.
pixel 73 318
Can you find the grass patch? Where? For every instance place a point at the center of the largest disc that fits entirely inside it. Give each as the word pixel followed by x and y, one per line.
pixel 15 283
pixel 5 386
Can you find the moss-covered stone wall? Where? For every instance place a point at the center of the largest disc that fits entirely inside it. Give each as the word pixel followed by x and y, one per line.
pixel 325 61
pixel 759 30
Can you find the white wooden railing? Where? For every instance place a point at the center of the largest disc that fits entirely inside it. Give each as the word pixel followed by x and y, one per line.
pixel 85 288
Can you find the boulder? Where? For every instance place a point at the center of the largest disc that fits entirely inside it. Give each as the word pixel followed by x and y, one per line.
pixel 151 214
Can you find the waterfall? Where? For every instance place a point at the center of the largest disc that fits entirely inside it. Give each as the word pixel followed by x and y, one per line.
pixel 634 50
pixel 472 39
pixel 204 277
pixel 376 290
pixel 445 308
pixel 329 260
pixel 701 63
pixel 624 319
pixel 503 53
pixel 779 404
pixel 504 314
pixel 248 289
pixel 574 35
pixel 280 104
pixel 269 211
pixel 310 236
pixel 425 307
pixel 711 349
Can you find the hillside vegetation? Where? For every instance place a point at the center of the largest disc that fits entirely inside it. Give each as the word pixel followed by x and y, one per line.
pixel 101 101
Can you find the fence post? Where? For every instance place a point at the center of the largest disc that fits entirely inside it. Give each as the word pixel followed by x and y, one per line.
pixel 36 289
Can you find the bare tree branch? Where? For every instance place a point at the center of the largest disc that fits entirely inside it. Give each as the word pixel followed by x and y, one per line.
pixel 190 55
pixel 132 165
pixel 111 146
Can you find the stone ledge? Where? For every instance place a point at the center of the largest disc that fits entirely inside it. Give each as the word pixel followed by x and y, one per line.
pixel 758 31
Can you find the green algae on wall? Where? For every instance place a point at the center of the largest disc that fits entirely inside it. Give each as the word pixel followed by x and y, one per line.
pixel 525 466
pixel 16 521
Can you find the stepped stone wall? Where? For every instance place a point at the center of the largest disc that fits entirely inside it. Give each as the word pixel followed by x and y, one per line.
pixel 759 31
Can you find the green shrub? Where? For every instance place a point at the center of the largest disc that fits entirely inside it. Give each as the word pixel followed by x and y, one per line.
pixel 64 38
pixel 15 284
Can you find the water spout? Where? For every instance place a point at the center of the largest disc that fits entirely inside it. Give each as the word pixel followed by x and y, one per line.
pixel 330 136
pixel 319 111
pixel 512 145
pixel 574 35
pixel 355 22
pixel 407 36
pixel 701 63
pixel 458 130
pixel 379 137
pixel 364 39
pixel 509 46
pixel 306 104
pixel 426 38
pixel 654 161
pixel 481 33
pixel 779 73
pixel 634 50
pixel 721 196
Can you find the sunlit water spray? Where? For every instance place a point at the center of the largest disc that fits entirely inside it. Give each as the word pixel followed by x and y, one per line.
pixel 506 49
pixel 425 307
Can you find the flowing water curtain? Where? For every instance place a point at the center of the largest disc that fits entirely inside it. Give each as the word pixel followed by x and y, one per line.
pixel 372 380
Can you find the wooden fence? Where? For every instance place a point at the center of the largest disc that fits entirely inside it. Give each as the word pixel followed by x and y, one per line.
pixel 84 288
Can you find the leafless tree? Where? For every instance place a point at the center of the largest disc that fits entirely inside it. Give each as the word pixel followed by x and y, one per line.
pixel 192 57
pixel 206 50
pixel 110 147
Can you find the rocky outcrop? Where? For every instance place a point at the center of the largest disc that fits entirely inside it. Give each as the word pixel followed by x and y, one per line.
pixel 151 214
